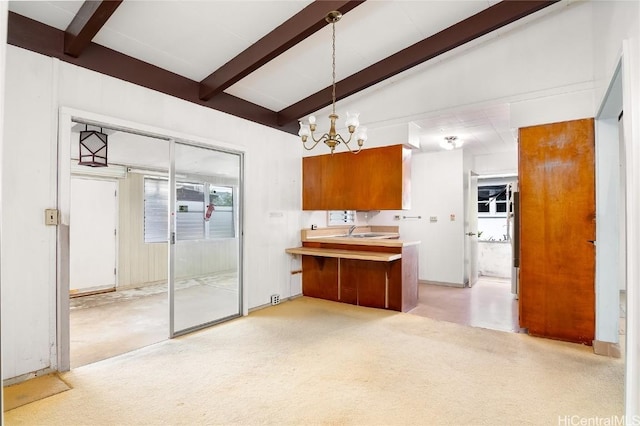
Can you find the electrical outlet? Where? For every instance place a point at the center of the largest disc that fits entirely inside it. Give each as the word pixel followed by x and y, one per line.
pixel 396 217
pixel 51 217
pixel 433 218
pixel 275 299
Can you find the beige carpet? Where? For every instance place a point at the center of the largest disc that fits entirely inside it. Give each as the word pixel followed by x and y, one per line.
pixel 315 362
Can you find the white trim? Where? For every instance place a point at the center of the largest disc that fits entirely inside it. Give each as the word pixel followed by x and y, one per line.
pixel 63 337
pixel 4 7
pixel 608 206
pixel 146 130
pixel 631 108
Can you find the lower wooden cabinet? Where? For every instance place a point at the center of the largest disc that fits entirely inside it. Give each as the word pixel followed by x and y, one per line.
pixel 376 284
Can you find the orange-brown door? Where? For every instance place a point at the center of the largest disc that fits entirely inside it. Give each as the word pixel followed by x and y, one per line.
pixel 557 230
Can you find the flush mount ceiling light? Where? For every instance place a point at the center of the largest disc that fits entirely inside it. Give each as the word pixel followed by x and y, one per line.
pixel 93 148
pixel 451 142
pixel 333 139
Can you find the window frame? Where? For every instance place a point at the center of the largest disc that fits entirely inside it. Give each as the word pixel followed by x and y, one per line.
pixel 183 209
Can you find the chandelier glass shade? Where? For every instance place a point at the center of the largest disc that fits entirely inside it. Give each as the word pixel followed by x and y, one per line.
pixel 332 138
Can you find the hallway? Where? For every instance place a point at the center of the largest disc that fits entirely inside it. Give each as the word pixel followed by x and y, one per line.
pixel 488 304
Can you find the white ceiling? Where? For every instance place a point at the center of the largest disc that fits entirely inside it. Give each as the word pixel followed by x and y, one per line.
pixel 194 38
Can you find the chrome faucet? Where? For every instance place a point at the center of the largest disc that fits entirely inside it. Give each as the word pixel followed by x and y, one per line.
pixel 353 227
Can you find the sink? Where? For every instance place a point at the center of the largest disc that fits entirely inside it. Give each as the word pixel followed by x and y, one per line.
pixel 372 235
pixel 363 235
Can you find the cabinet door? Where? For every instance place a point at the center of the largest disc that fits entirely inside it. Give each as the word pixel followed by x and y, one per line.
pixel 320 277
pixel 368 278
pixel 374 179
pixel 313 191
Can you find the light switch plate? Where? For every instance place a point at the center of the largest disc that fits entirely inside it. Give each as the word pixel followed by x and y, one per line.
pixel 51 217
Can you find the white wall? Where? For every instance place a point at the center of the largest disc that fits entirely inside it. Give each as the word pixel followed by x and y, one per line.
pixel 28 246
pixel 500 163
pixel 37 87
pixel 617 34
pixel 494 259
pixel 436 190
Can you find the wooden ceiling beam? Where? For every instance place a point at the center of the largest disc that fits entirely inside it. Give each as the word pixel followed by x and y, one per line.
pixel 482 23
pixel 43 39
pixel 35 36
pixel 85 25
pixel 291 32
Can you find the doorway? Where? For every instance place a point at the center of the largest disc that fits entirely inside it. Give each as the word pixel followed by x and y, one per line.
pixel 178 247
pixel 495 216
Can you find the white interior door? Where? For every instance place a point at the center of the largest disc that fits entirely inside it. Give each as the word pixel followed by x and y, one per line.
pixel 471 231
pixel 92 235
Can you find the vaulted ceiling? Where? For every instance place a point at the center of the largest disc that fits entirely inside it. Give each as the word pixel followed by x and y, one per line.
pixel 265 61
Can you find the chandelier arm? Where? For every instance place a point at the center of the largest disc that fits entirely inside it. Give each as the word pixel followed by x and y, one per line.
pixel 349 147
pixel 320 139
pixel 304 144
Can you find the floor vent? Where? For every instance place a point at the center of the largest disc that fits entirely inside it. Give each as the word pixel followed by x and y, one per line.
pixel 275 299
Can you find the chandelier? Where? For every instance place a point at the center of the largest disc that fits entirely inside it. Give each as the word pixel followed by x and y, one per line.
pixel 332 138
pixel 93 148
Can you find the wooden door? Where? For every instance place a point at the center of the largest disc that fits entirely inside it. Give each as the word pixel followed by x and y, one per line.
pixel 557 230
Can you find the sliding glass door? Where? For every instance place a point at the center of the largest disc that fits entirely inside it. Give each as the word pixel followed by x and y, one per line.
pixel 205 243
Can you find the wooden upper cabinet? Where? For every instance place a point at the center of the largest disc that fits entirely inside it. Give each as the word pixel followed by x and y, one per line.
pixel 374 179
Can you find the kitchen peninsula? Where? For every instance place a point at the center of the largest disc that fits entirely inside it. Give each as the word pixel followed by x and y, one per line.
pixel 370 266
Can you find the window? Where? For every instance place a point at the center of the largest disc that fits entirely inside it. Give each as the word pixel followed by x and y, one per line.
pixel 341 217
pixel 197 216
pixel 156 204
pixel 221 224
pixel 493 199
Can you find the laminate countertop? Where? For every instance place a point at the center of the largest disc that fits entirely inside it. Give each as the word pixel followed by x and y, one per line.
pixel 381 236
pixel 345 254
pixel 387 241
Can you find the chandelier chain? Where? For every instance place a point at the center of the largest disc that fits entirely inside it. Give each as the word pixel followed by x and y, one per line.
pixel 333 57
